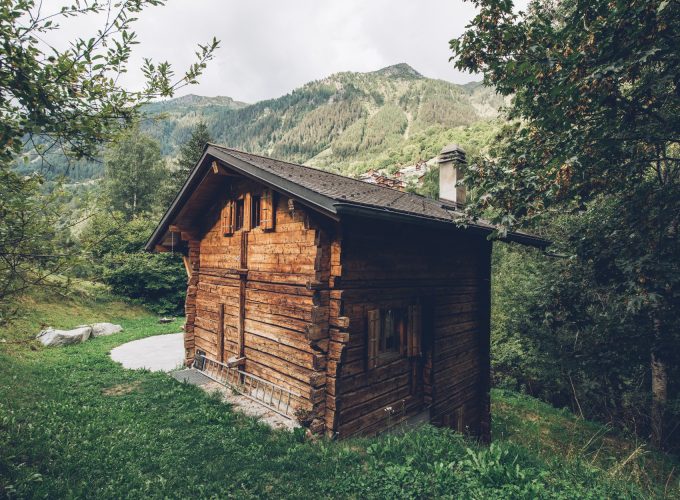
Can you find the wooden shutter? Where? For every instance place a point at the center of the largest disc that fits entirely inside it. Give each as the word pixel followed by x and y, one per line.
pixel 373 337
pixel 228 218
pixel 415 326
pixel 267 210
pixel 247 207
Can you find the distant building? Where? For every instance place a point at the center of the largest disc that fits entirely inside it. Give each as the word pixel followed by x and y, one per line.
pixel 403 177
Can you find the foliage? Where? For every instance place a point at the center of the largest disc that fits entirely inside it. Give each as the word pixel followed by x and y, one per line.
pixel 67 99
pixel 163 438
pixel 114 251
pixel 70 98
pixel 156 280
pixel 564 329
pixel 190 153
pixel 596 95
pixel 134 173
pixel 30 228
pixel 317 129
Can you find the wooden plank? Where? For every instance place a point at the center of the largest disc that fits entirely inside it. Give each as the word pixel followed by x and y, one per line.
pixel 242 318
pixel 220 333
pixel 187 265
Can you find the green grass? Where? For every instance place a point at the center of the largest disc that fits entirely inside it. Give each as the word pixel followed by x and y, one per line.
pixel 75 424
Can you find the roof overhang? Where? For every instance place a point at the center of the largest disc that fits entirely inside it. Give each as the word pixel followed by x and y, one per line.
pixel 320 203
pixel 386 215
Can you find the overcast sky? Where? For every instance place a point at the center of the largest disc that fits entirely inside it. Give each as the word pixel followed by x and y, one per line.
pixel 270 47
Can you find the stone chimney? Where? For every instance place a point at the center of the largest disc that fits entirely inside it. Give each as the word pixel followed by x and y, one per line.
pixel 451 159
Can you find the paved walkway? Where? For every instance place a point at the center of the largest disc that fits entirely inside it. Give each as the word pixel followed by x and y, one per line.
pixel 159 353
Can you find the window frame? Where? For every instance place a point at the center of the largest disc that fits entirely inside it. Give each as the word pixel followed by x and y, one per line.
pixel 405 320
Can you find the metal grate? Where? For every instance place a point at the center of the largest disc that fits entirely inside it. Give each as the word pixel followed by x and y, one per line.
pixel 272 396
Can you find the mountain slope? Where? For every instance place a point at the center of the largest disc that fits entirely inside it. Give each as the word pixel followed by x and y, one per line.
pixel 339 122
pixel 348 122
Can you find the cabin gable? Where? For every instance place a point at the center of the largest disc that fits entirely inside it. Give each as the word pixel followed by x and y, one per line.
pixel 253 293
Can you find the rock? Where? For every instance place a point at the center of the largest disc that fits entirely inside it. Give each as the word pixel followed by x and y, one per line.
pixel 52 337
pixel 103 329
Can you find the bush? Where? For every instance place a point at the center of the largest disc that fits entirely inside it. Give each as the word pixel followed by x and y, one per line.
pixel 156 280
pixel 115 253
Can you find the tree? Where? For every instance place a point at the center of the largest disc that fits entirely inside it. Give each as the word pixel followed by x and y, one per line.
pixel 189 154
pixel 29 223
pixel 597 103
pixel 134 171
pixel 70 99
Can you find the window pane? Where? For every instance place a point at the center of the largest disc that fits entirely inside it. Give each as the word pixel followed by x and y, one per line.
pixel 389 335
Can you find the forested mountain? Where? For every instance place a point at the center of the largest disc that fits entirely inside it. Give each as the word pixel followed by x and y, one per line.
pixel 348 122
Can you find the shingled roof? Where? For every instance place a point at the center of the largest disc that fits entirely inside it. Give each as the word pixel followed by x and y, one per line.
pixel 331 194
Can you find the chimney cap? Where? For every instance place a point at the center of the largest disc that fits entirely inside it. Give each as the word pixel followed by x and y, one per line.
pixel 451 148
pixel 452 152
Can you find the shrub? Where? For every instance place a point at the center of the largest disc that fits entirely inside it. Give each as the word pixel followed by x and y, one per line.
pixel 116 257
pixel 156 280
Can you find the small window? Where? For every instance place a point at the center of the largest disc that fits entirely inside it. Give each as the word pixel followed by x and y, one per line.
pixel 238 216
pixel 393 332
pixel 255 211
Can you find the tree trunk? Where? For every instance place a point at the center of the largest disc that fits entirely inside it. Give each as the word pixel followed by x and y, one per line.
pixel 659 393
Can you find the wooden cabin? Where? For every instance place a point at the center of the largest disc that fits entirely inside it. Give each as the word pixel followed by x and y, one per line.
pixel 364 306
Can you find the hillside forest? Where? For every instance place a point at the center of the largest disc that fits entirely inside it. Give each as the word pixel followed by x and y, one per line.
pixel 574 134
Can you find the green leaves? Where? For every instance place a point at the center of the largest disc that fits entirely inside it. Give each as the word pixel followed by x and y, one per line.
pixel 73 93
pixel 597 104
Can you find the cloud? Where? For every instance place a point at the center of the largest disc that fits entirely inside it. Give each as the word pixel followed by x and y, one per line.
pixel 270 47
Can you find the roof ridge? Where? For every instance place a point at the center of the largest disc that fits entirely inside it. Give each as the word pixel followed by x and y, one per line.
pixel 344 177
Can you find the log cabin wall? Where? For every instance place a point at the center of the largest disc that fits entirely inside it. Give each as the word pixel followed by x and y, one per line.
pixel 268 287
pixel 379 266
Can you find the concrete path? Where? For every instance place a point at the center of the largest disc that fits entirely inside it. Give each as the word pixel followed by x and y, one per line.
pixel 160 353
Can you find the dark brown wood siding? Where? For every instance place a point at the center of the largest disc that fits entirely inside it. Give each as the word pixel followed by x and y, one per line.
pixel 383 265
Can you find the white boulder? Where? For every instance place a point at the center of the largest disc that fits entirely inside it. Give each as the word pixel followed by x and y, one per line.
pixel 103 329
pixel 52 337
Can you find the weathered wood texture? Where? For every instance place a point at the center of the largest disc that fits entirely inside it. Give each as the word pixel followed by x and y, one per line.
pixel 293 297
pixel 265 280
pixel 379 265
pixel 193 259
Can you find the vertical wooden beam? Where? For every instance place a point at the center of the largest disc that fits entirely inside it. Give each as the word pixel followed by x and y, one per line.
pixel 247 216
pixel 242 295
pixel 243 257
pixel 187 265
pixel 220 333
pixel 242 318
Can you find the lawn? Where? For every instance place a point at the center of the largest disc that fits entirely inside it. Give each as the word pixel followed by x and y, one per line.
pixel 75 424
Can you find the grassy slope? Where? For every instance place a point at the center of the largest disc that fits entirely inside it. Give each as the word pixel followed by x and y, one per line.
pixel 74 423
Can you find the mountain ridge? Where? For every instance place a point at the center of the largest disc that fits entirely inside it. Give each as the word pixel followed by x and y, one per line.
pixel 339 122
pixel 348 122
